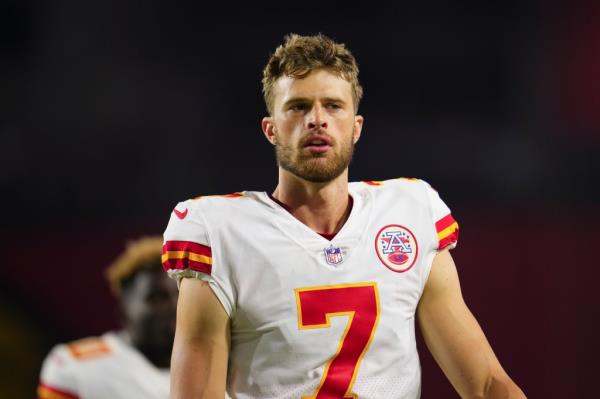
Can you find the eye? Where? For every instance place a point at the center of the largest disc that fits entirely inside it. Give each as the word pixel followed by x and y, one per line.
pixel 298 107
pixel 333 106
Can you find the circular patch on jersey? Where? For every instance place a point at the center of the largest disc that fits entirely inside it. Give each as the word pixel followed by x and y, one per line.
pixel 396 247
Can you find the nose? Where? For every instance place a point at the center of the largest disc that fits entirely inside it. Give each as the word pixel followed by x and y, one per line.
pixel 316 118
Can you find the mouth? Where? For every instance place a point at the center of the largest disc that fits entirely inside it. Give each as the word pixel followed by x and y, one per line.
pixel 318 143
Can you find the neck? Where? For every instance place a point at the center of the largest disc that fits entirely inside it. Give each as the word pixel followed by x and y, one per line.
pixel 324 207
pixel 158 356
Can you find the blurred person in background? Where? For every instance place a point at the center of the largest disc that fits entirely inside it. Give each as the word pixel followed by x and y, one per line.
pixel 132 362
pixel 313 290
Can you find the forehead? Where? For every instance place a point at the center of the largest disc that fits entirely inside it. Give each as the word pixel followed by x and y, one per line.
pixel 317 84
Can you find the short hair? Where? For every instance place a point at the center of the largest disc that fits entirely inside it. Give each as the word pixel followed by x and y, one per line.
pixel 300 55
pixel 141 254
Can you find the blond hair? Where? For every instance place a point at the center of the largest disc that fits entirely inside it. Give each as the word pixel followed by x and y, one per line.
pixel 143 253
pixel 300 55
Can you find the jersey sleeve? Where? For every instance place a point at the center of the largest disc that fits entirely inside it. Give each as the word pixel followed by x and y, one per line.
pixel 446 227
pixel 58 378
pixel 188 252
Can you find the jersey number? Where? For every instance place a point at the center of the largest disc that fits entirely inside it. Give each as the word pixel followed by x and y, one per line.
pixel 360 302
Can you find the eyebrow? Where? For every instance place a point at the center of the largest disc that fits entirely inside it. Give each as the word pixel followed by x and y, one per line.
pixel 296 100
pixel 334 100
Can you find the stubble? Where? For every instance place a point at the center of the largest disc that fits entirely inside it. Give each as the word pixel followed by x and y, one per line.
pixel 315 168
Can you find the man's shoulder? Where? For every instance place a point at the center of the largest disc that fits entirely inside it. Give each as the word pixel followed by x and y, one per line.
pixel 392 186
pixel 108 366
pixel 192 220
pixel 408 193
pixel 220 197
pixel 83 349
pixel 212 203
pixel 67 364
pixel 90 348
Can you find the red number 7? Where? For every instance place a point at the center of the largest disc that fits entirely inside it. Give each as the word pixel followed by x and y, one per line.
pixel 360 302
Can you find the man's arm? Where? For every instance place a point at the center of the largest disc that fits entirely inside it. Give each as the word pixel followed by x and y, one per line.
pixel 201 347
pixel 456 340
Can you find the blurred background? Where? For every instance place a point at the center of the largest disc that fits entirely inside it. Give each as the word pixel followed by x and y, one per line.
pixel 113 111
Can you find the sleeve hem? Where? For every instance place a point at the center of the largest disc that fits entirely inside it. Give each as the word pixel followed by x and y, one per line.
pixel 178 275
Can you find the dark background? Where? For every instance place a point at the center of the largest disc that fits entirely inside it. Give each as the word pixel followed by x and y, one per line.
pixel 113 111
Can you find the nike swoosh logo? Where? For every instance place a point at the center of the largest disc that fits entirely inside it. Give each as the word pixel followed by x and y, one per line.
pixel 181 215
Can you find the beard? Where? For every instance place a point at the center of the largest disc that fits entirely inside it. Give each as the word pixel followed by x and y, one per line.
pixel 315 168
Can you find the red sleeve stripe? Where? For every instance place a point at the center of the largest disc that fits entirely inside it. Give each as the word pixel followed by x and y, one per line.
pixel 447 229
pixel 444 222
pixel 451 239
pixel 47 392
pixel 187 246
pixel 181 255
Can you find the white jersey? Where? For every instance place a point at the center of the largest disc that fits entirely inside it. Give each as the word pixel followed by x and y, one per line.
pixel 101 367
pixel 312 317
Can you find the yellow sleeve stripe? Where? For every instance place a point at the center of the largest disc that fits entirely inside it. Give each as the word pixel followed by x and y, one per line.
pixel 447 231
pixel 186 255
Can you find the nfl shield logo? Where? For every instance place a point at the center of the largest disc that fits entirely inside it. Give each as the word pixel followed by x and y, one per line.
pixel 333 255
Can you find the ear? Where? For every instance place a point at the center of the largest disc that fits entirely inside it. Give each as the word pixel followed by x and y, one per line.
pixel 269 130
pixel 358 124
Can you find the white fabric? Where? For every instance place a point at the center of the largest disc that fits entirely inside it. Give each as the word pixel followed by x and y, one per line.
pixel 261 255
pixel 122 372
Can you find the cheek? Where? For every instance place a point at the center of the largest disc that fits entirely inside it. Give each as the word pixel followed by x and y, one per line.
pixel 135 311
pixel 289 123
pixel 345 129
pixel 288 134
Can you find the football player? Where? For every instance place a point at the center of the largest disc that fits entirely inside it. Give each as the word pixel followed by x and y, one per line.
pixel 132 362
pixel 314 290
